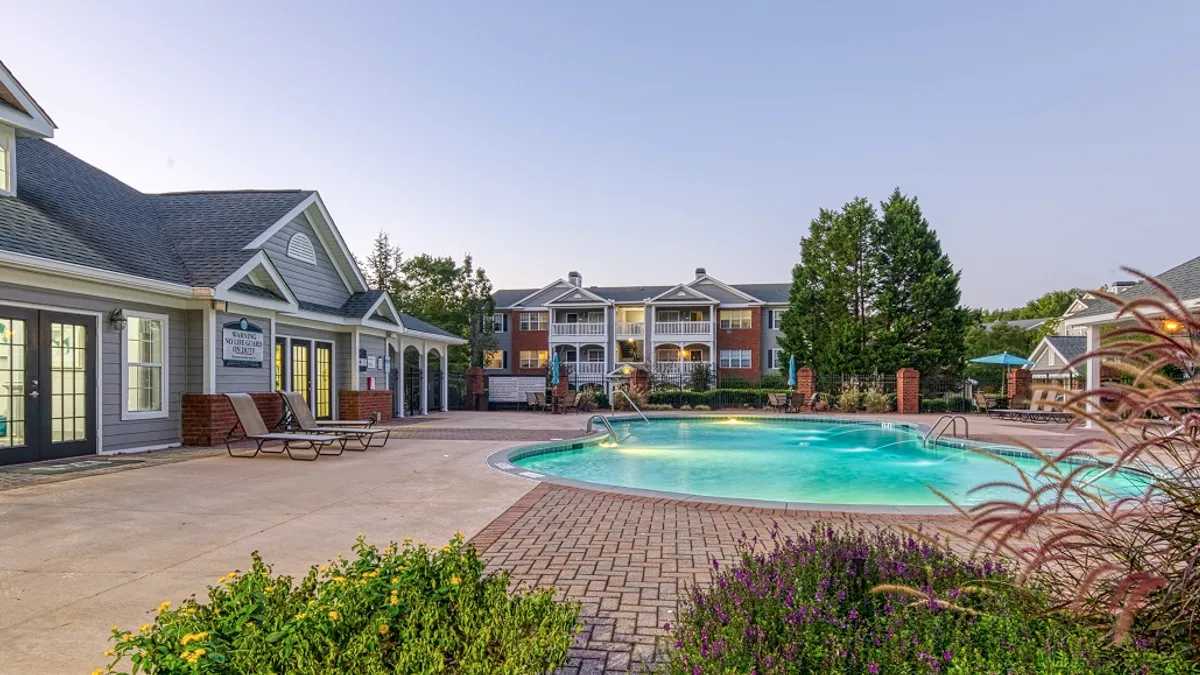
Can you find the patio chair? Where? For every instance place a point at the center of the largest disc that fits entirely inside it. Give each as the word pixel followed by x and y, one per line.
pixel 983 403
pixel 255 429
pixel 303 418
pixel 530 401
pixel 778 402
pixel 573 401
pixel 798 404
pixel 541 402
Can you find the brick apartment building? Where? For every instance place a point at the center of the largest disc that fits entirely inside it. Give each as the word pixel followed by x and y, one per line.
pixel 600 332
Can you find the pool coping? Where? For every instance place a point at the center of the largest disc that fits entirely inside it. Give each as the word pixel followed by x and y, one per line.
pixel 503 461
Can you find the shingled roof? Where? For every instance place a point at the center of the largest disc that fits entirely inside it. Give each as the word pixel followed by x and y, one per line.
pixel 772 294
pixel 69 211
pixel 1183 280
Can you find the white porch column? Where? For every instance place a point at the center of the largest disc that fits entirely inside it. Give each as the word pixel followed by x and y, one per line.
pixel 400 378
pixel 445 361
pixel 1092 333
pixel 424 380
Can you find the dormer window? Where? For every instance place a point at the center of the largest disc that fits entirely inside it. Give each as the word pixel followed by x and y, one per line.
pixel 301 248
pixel 6 161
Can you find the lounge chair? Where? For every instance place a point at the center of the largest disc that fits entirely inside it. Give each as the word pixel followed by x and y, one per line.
pixel 573 401
pixel 778 402
pixel 303 418
pixel 1040 410
pixel 983 403
pixel 541 403
pixel 255 429
pixel 798 403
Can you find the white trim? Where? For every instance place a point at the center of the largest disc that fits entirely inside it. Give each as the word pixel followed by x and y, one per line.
pixel 699 295
pixel 75 271
pixel 8 161
pixel 209 359
pixel 596 300
pixel 164 374
pixel 147 448
pixel 539 291
pixel 725 287
pixel 274 335
pixel 354 347
pixel 347 257
pixel 258 260
pixel 99 317
pixel 347 260
pixel 33 119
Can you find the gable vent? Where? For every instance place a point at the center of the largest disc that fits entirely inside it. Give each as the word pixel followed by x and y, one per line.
pixel 301 248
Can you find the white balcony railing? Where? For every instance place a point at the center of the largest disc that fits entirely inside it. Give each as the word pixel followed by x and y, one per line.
pixel 683 328
pixel 680 368
pixel 630 329
pixel 575 329
pixel 588 368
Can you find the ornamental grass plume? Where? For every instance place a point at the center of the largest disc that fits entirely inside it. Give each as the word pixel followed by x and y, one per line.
pixel 1128 561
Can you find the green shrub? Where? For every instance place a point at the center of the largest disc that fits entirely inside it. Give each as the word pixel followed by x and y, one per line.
pixel 773 381
pixel 876 402
pixel 849 400
pixel 849 602
pixel 732 382
pixel 960 404
pixel 701 407
pixel 408 609
pixel 587 402
pixel 933 405
pixel 701 377
pixel 657 406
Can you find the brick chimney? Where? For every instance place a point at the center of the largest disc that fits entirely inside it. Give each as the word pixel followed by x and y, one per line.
pixel 700 272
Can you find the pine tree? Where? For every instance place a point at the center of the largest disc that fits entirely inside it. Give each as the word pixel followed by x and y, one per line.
pixel 383 263
pixel 919 321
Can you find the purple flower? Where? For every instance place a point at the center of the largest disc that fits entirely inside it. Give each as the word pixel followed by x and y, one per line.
pixel 873 669
pixel 666 626
pixel 947 656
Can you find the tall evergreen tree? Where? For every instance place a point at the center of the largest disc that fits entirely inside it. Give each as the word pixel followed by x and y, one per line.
pixel 383 263
pixel 920 322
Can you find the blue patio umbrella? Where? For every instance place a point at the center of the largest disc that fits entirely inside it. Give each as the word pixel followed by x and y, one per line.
pixel 792 371
pixel 554 370
pixel 1003 359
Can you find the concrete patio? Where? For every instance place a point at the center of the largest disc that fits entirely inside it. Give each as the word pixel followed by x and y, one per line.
pixel 78 555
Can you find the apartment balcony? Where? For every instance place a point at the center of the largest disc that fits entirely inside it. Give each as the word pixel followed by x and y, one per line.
pixel 677 368
pixel 591 369
pixel 577 330
pixel 683 328
pixel 631 329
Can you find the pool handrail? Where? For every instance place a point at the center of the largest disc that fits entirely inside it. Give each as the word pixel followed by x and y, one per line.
pixel 627 398
pixel 607 425
pixel 939 429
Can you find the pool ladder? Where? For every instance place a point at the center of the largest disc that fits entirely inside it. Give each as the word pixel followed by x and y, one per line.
pixel 635 408
pixel 607 425
pixel 946 423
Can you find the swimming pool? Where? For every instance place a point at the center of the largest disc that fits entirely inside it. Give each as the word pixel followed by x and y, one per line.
pixel 797 460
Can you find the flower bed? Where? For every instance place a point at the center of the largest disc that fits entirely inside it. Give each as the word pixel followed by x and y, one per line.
pixel 406 609
pixel 848 602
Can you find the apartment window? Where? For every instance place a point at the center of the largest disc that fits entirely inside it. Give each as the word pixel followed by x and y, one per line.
pixel 4 171
pixel 534 358
pixel 534 321
pixel 666 354
pixel 595 317
pixel 773 358
pixel 494 359
pixel 735 358
pixel 668 315
pixel 695 355
pixel 629 351
pixel 145 365
pixel 774 319
pixel 735 318
pixel 593 355
pixel 499 323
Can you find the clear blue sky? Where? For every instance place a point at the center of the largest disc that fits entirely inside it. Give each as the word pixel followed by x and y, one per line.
pixel 1049 142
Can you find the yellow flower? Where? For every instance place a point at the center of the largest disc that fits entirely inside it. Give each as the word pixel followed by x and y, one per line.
pixel 268 589
pixel 199 652
pixel 190 611
pixel 113 628
pixel 408 540
pixel 333 615
pixel 458 534
pixel 162 608
pixel 185 655
pixel 322 569
pixel 145 627
pixel 110 653
pixel 339 580
pixel 455 580
pixel 98 671
pixel 445 549
pixel 383 629
pixel 395 580
pixel 393 601
pixel 301 615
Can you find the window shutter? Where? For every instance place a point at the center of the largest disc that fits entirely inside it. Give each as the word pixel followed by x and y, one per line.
pixel 504 359
pixel 506 328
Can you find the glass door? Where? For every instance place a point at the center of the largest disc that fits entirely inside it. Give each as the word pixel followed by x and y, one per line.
pixel 301 370
pixel 18 371
pixel 324 381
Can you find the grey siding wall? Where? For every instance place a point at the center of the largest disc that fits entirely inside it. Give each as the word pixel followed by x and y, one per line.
pixel 232 380
pixel 376 347
pixel 194 351
pixel 346 360
pixel 117 434
pixel 547 295
pixel 770 337
pixel 320 283
pixel 719 294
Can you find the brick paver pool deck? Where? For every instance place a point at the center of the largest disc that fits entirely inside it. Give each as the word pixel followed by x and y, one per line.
pixel 628 559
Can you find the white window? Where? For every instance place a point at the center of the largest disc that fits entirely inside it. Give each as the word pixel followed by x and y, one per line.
pixel 5 159
pixel 735 358
pixel 668 315
pixel 773 358
pixel 493 359
pixel 499 323
pixel 774 318
pixel 534 321
pixel 144 366
pixel 536 358
pixel 301 248
pixel 595 317
pixel 1051 355
pixel 666 354
pixel 593 355
pixel 735 318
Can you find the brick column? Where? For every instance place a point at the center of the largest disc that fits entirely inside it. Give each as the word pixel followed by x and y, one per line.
pixel 908 391
pixel 1020 384
pixel 564 382
pixel 805 383
pixel 362 404
pixel 475 385
pixel 639 383
pixel 208 418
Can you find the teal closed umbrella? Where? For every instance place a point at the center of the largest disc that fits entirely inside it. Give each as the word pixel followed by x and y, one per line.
pixel 792 371
pixel 554 370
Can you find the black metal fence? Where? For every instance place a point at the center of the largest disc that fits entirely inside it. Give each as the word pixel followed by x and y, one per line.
pixel 946 393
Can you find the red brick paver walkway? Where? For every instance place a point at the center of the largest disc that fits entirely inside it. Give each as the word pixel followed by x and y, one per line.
pixel 628 559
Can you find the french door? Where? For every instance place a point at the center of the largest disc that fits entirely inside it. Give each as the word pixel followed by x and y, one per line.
pixel 308 370
pixel 47 385
pixel 323 405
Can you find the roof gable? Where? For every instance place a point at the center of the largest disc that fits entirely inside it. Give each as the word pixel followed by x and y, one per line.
pixel 540 297
pixel 682 294
pixel 720 291
pixel 1183 280
pixel 578 296
pixel 18 108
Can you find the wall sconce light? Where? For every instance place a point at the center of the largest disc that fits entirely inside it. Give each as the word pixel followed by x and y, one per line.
pixel 220 305
pixel 117 319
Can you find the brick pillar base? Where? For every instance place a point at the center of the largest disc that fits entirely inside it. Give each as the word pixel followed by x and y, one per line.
pixel 908 391
pixel 208 418
pixel 639 383
pixel 1020 383
pixel 564 384
pixel 805 383
pixel 362 405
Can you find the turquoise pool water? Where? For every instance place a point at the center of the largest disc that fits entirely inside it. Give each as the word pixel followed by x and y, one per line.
pixel 787 461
